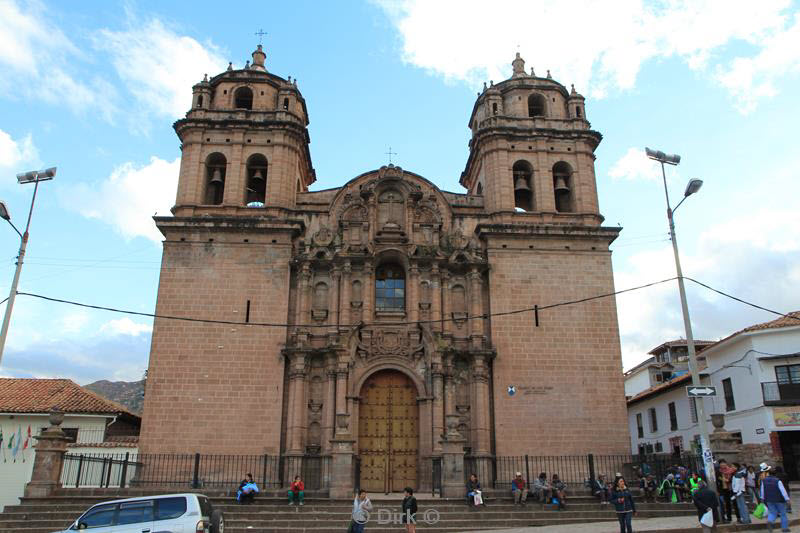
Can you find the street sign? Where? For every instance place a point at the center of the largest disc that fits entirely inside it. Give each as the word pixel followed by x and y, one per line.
pixel 694 392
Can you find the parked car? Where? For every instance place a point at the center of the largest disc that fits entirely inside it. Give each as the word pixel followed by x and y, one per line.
pixel 177 513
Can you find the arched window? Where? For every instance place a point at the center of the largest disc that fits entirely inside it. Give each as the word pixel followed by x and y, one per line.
pixel 562 187
pixel 479 190
pixel 286 104
pixel 535 105
pixel 200 101
pixel 391 210
pixel 578 111
pixel 319 305
pixel 494 108
pixel 523 193
pixel 256 191
pixel 216 165
pixel 459 296
pixel 243 98
pixel 390 288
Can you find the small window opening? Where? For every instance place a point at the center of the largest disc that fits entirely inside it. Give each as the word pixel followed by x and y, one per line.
pixel 390 288
pixel 522 173
pixel 479 190
pixel 578 111
pixel 536 105
pixel 562 187
pixel 247 312
pixel 256 191
pixel 286 103
pixel 200 101
pixel 243 98
pixel 215 178
pixel 494 108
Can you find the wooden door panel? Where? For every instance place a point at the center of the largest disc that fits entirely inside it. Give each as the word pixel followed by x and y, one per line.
pixel 388 432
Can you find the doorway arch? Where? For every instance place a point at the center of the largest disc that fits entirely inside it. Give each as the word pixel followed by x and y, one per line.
pixel 388 432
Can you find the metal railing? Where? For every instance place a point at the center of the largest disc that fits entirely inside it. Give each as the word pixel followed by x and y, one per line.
pixel 576 470
pixel 775 392
pixel 429 475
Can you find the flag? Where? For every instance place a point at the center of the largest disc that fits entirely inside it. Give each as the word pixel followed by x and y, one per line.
pixel 11 441
pixel 15 451
pixel 2 450
pixel 27 439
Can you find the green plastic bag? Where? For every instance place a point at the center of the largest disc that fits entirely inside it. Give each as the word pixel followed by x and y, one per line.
pixel 761 511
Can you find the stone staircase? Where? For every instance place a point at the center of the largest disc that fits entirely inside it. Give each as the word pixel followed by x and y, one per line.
pixel 273 515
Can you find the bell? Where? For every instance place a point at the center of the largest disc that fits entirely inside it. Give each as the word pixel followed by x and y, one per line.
pixel 216 177
pixel 561 184
pixel 521 184
pixel 258 176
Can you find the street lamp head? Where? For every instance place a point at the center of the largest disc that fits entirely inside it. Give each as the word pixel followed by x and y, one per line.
pixel 692 187
pixel 4 212
pixel 661 157
pixel 37 175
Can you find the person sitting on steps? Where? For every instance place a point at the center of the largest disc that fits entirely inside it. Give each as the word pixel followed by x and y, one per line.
pixel 559 491
pixel 542 489
pixel 649 488
pixel 519 489
pixel 474 496
pixel 600 490
pixel 247 490
pixel 296 491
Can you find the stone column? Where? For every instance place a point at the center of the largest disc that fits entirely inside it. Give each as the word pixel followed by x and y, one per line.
pixel 436 299
pixel 480 374
pixel 297 403
pixel 329 409
pixel 413 292
pixel 333 315
pixel 50 448
pixel 342 474
pixel 345 316
pixel 476 299
pixel 447 324
pixel 448 372
pixel 342 372
pixel 368 291
pixel 437 406
pixel 304 277
pixel 452 445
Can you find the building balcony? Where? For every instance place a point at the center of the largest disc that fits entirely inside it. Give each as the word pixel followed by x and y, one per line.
pixel 775 393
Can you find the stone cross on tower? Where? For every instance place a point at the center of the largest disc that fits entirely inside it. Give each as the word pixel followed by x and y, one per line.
pixel 260 34
pixel 390 154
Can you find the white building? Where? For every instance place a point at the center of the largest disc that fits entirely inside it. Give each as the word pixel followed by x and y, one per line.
pixel 756 372
pixel 668 360
pixel 93 423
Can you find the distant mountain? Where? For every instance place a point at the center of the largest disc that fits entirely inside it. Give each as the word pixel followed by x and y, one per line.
pixel 128 393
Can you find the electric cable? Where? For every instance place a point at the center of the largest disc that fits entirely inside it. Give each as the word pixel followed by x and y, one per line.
pixel 751 304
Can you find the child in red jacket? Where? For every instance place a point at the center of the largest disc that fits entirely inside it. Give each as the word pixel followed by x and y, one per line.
pixel 296 491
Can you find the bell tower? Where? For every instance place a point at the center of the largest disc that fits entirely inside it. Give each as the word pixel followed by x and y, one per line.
pixel 245 144
pixel 532 150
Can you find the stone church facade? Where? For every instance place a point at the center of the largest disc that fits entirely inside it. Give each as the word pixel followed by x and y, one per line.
pixel 383 299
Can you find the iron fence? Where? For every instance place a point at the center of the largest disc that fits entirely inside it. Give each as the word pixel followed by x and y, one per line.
pixel 576 470
pixel 98 470
pixel 429 475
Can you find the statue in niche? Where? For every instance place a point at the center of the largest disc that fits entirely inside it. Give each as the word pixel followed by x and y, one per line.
pixel 390 210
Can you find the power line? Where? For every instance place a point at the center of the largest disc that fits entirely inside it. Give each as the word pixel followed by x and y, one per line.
pixel 283 325
pixel 751 304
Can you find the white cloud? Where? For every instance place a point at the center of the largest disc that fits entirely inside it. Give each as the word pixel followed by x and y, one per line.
pixel 73 323
pixel 36 58
pixel 129 198
pixel 158 65
pixel 125 326
pixel 751 78
pixel 597 45
pixel 635 165
pixel 16 153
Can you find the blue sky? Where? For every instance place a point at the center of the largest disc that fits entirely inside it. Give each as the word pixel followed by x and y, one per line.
pixel 94 87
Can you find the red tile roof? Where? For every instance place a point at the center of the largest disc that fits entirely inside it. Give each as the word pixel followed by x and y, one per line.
pixel 698 344
pixel 793 319
pixel 23 395
pixel 674 382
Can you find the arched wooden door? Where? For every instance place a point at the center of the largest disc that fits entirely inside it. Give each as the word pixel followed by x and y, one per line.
pixel 388 432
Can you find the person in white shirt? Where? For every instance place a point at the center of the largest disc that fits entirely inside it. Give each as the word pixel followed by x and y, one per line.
pixel 739 488
pixel 361 508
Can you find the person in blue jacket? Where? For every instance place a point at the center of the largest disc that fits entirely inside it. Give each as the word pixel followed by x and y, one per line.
pixel 624 505
pixel 247 490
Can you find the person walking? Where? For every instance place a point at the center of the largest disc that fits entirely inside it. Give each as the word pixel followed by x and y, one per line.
pixel 738 487
pixel 773 493
pixel 705 500
pixel 410 510
pixel 624 505
pixel 726 472
pixel 297 491
pixel 750 483
pixel 361 508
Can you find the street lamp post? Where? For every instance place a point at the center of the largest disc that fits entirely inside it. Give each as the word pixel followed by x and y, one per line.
pixel 35 176
pixel 692 187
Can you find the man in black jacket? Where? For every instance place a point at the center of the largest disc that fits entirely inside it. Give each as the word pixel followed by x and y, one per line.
pixel 705 499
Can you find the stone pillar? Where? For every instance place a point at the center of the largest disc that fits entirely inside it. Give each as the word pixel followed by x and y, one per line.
pixel 476 300
pixel 413 293
pixel 342 473
pixel 333 315
pixel 329 409
pixel 304 276
pixel 297 403
pixel 437 406
pixel 346 317
pixel 447 324
pixel 449 386
pixel 342 372
pixel 51 446
pixel 436 299
pixel 480 373
pixel 452 445
pixel 368 291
